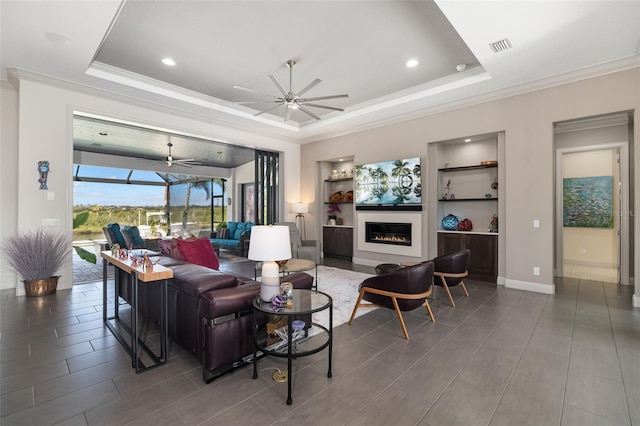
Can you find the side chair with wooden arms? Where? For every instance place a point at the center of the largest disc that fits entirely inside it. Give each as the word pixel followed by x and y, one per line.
pixel 451 270
pixel 402 290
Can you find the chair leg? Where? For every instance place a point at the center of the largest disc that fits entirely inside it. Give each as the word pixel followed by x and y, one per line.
pixel 404 329
pixel 446 288
pixel 464 288
pixel 426 303
pixel 355 308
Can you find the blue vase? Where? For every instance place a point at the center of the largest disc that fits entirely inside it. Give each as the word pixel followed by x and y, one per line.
pixel 450 222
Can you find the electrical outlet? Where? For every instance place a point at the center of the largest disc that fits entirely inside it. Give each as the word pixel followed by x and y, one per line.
pixel 536 270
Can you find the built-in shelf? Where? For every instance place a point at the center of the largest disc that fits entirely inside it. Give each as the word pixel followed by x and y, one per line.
pixel 339 202
pixel 472 199
pixel 459 169
pixel 339 179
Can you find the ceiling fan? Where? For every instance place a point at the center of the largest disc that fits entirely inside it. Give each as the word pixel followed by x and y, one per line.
pixel 170 161
pixel 290 100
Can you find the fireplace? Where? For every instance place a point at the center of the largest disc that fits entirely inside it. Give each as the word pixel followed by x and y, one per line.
pixel 410 248
pixel 398 234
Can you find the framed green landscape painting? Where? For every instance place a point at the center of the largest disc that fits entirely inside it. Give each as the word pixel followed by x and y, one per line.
pixel 588 202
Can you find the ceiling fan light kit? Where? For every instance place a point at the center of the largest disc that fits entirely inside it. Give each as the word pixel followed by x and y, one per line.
pixel 170 161
pixel 291 100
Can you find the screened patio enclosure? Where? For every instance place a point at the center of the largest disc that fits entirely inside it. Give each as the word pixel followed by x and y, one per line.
pixel 160 204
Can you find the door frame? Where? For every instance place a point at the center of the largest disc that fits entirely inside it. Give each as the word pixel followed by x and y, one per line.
pixel 623 223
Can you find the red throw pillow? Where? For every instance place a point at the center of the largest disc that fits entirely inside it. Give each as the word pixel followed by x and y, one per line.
pixel 199 252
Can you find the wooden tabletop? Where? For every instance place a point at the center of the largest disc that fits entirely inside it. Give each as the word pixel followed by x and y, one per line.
pixel 157 272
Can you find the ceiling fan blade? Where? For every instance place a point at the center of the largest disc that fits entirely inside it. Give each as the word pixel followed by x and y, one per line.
pixel 321 98
pixel 324 106
pixel 309 86
pixel 257 102
pixel 253 91
pixel 277 83
pixel 268 109
pixel 287 114
pixel 306 111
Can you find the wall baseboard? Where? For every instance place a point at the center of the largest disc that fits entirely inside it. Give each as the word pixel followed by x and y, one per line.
pixel 529 286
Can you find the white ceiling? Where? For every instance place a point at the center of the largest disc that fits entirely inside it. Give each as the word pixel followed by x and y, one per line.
pixel 355 47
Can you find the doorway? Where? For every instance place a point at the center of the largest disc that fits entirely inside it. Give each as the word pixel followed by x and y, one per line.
pixel 592 233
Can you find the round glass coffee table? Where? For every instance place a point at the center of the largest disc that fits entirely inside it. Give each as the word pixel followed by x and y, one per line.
pixel 293 344
pixel 293 265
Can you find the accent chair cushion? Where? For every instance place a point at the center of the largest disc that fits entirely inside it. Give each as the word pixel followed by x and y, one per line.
pixel 116 233
pixel 134 232
pixel 199 252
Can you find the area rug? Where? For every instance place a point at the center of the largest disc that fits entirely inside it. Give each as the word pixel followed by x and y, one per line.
pixel 342 286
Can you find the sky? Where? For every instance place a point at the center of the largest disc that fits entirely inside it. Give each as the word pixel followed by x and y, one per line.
pixel 114 194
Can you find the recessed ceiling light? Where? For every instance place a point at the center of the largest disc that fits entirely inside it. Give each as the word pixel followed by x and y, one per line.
pixel 169 62
pixel 467 140
pixel 412 63
pixel 461 67
pixel 58 39
pixel 103 133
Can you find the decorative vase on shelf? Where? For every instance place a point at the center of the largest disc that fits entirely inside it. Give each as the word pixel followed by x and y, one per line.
pixel 332 222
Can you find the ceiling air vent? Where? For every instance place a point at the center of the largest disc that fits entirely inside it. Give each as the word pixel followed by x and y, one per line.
pixel 500 45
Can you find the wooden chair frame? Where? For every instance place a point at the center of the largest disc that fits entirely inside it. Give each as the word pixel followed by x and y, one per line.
pixel 444 275
pixel 394 297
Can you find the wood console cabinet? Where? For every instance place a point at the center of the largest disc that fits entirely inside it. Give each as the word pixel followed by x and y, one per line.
pixel 483 264
pixel 337 241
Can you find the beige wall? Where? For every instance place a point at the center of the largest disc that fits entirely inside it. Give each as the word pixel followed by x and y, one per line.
pixel 527 120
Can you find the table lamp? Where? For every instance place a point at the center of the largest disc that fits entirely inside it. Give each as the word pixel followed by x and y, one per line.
pixel 300 209
pixel 269 243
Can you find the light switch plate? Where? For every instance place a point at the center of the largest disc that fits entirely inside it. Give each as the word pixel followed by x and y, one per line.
pixel 536 223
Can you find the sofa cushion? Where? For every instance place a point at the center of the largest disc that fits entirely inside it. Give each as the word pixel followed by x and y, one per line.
pixel 199 252
pixel 175 251
pixel 195 280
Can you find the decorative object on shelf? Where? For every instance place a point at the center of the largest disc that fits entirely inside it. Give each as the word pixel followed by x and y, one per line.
pixel 36 256
pixel 488 163
pixel 300 209
pixel 43 170
pixel 343 173
pixel 334 174
pixel 351 172
pixel 493 226
pixel 267 244
pixel 488 196
pixel 494 184
pixel 447 188
pixel 332 212
pixel 348 197
pixel 464 225
pixel 447 165
pixel 336 197
pixel 332 222
pixel 339 221
pixel 450 222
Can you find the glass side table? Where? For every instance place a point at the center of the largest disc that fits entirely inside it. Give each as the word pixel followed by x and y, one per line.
pixel 304 302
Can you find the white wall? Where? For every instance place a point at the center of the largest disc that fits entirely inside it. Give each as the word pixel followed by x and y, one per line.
pixel 44 129
pixel 527 120
pixel 8 172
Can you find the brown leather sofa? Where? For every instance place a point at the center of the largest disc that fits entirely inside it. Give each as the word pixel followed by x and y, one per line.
pixel 209 312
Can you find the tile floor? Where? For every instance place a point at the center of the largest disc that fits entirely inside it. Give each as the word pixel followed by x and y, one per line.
pixel 585 272
pixel 501 356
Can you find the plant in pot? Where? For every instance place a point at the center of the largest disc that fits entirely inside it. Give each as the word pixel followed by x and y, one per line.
pixel 332 213
pixel 36 256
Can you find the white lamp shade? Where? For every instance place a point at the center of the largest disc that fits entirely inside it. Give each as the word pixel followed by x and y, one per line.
pixel 269 243
pixel 300 208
